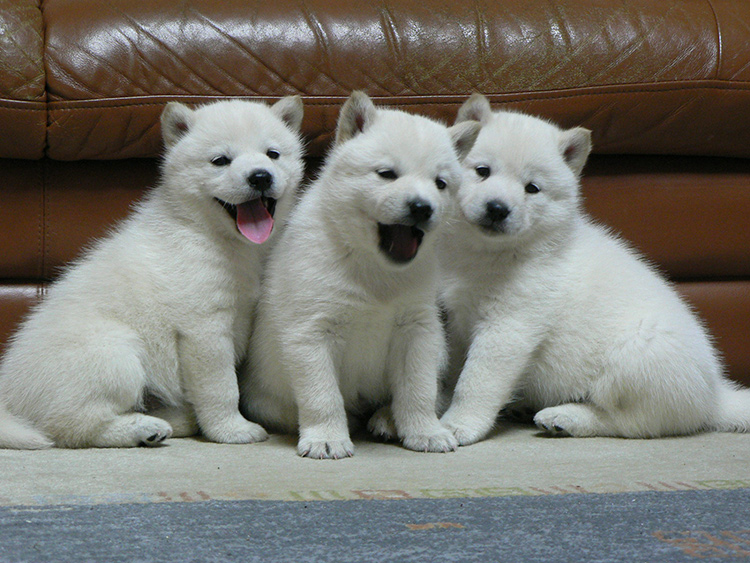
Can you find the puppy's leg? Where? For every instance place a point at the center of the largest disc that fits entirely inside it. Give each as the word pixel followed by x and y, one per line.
pixel 323 429
pixel 130 430
pixel 649 383
pixel 457 351
pixel 638 394
pixel 583 420
pixel 494 364
pixel 210 380
pixel 643 418
pixel 416 357
pixel 632 405
pixel 276 412
pixel 99 384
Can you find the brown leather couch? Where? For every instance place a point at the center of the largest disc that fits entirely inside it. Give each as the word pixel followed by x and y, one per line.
pixel 665 87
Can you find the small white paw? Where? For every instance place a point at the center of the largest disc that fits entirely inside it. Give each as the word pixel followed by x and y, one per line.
pixel 382 425
pixel 439 439
pixel 235 430
pixel 325 449
pixel 566 420
pixel 152 431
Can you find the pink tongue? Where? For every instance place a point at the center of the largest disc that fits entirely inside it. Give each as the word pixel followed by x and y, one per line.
pixel 254 221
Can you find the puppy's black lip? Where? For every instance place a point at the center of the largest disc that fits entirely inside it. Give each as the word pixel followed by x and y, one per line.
pixel 228 207
pixel 269 203
pixel 423 226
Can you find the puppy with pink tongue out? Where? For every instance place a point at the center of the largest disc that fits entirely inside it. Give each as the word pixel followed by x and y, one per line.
pixel 138 341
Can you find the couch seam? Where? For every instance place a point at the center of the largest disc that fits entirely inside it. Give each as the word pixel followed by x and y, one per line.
pixel 10 108
pixel 402 100
pixel 719 39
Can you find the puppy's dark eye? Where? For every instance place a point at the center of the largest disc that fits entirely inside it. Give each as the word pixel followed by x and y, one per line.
pixel 532 189
pixel 221 160
pixel 273 154
pixel 482 171
pixel 441 184
pixel 387 174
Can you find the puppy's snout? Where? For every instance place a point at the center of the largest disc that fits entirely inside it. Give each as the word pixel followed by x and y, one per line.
pixel 260 180
pixel 497 211
pixel 420 211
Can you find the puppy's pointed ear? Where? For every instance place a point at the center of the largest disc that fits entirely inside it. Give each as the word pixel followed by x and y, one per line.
pixel 355 116
pixel 176 121
pixel 575 146
pixel 476 108
pixel 290 110
pixel 464 135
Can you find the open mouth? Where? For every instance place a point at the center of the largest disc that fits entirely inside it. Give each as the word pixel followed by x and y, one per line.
pixel 254 218
pixel 400 242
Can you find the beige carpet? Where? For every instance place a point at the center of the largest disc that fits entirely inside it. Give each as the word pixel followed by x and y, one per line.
pixel 515 461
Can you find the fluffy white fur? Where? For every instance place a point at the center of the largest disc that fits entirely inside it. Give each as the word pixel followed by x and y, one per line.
pixel 546 307
pixel 160 310
pixel 343 325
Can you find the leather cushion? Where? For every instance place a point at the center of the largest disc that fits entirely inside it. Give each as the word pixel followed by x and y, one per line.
pixel 669 77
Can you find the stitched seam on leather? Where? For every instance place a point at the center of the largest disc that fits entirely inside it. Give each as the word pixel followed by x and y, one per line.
pixel 4 107
pixel 719 40
pixel 585 94
pixel 420 99
pixel 742 69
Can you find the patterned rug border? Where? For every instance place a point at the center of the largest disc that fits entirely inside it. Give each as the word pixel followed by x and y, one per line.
pixel 50 499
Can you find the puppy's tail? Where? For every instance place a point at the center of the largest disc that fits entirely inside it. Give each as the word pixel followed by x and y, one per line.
pixel 17 434
pixel 734 408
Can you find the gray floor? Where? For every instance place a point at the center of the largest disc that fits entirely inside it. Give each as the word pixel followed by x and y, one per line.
pixel 516 461
pixel 625 527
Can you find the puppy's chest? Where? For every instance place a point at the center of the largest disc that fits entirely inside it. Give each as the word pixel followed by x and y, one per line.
pixel 223 294
pixel 364 341
pixel 468 303
pixel 477 294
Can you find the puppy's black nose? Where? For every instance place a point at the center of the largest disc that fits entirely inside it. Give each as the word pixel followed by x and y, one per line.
pixel 420 211
pixel 260 180
pixel 497 211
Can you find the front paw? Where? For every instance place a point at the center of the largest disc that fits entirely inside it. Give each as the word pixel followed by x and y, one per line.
pixel 465 430
pixel 235 430
pixel 325 449
pixel 438 439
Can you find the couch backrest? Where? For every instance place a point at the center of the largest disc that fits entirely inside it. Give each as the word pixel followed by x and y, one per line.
pixel 87 79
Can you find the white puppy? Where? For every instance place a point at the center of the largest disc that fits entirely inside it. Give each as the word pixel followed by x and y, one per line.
pixel 547 307
pixel 160 310
pixel 348 316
